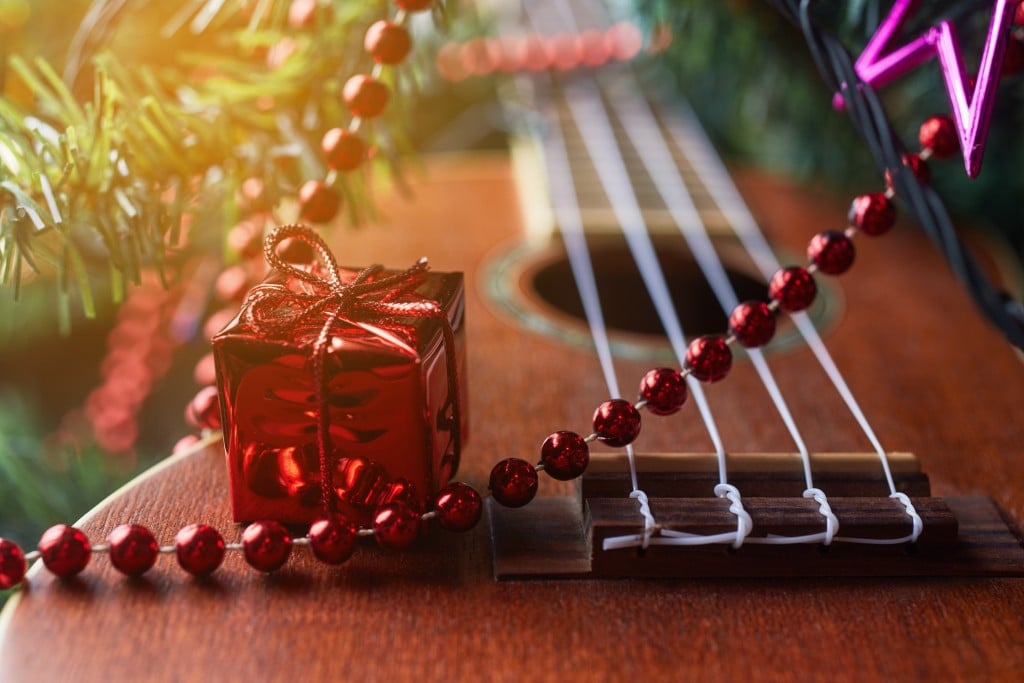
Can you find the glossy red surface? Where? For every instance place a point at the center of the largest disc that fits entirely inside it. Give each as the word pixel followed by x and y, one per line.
pixel 664 389
pixel 938 133
pixel 343 151
pixel 133 549
pixel 832 252
pixel 708 358
pixel 199 549
pixel 873 214
pixel 458 506
pixel 396 525
pixel 794 288
pixel 333 539
pixel 12 564
pixel 513 482
pixel 616 422
pixel 565 455
pixel 387 43
pixel 365 96
pixel 918 166
pixel 753 323
pixel 390 430
pixel 65 550
pixel 318 202
pixel 266 545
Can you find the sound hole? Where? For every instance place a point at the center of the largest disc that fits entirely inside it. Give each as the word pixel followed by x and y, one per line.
pixel 625 302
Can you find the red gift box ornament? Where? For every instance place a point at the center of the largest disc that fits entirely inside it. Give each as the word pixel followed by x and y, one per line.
pixel 340 389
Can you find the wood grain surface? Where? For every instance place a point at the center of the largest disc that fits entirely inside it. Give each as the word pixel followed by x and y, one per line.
pixel 934 381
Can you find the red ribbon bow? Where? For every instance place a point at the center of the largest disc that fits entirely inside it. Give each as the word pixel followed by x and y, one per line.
pixel 278 309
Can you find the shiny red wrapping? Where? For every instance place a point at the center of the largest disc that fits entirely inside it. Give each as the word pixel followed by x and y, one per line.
pixel 387 392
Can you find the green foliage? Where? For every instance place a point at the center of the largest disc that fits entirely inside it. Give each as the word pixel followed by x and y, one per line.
pixel 749 76
pixel 183 105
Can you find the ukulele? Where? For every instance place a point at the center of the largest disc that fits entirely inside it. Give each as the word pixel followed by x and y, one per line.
pixel 929 374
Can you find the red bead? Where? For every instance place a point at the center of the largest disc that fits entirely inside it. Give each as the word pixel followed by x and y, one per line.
pixel 65 550
pixel 513 482
pixel 793 288
pixel 342 150
pixel 832 252
pixel 266 545
pixel 387 43
pixel 565 455
pixel 365 96
pixel 617 422
pixel 203 410
pixel 709 358
pixel 413 5
pixel 12 564
pixel 318 202
pixel 199 548
pixel 664 390
pixel 752 323
pixel 873 214
pixel 459 507
pixel 396 525
pixel 938 134
pixel 918 166
pixel 133 549
pixel 333 539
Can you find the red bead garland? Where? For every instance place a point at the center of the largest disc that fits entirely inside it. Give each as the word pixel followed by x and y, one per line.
pixel 831 252
pixel 333 539
pixel 938 135
pixel 12 564
pixel 793 288
pixel 663 390
pixel 266 545
pixel 64 550
pixel 396 525
pixel 199 549
pixel 616 422
pixel 708 358
pixel 513 482
pixel 872 214
pixel 458 506
pixel 387 43
pixel 565 455
pixel 752 323
pixel 133 549
pixel 343 151
pixel 365 96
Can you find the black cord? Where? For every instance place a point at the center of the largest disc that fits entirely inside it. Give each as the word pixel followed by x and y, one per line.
pixel 868 117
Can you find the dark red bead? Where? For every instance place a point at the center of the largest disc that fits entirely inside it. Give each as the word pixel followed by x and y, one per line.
pixel 12 564
pixel 832 252
pixel 342 150
pixel 918 166
pixel 396 525
pixel 203 410
pixel 133 549
pixel 513 482
pixel 413 5
pixel 266 545
pixel 387 43
pixel 664 390
pixel 318 202
pixel 65 550
pixel 793 288
pixel 199 548
pixel 617 422
pixel 365 96
pixel 938 134
pixel 873 214
pixel 458 506
pixel 565 455
pixel 752 323
pixel 333 539
pixel 708 358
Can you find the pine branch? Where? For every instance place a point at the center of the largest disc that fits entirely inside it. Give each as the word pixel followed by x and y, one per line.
pixel 97 188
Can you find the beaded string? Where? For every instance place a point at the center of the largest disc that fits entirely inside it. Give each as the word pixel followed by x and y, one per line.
pixel 267 545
